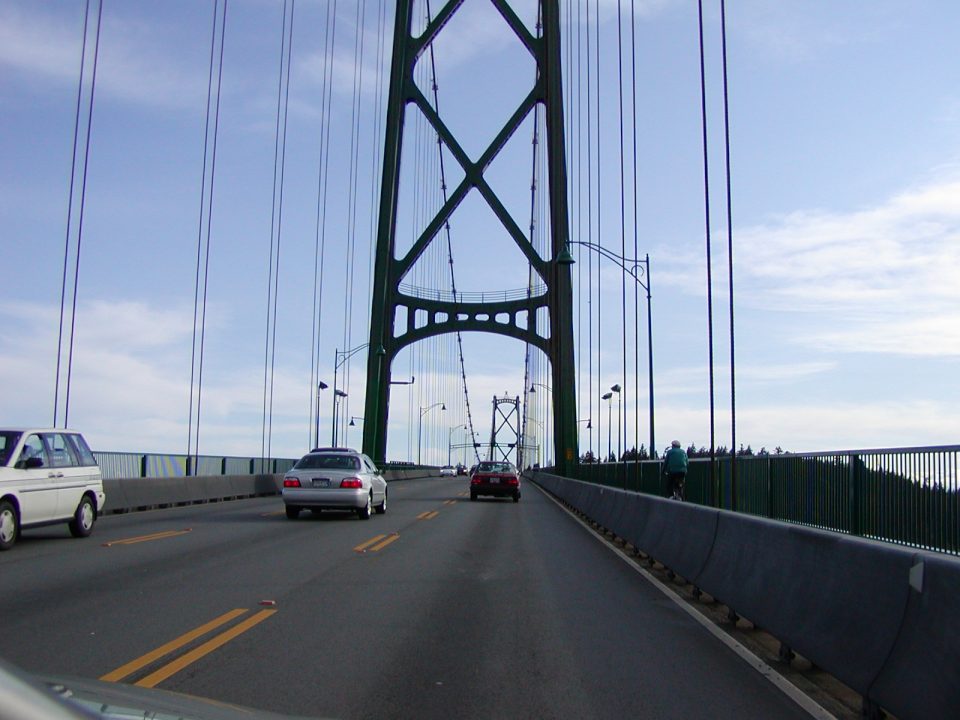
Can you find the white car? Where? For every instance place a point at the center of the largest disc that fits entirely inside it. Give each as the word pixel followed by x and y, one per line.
pixel 47 476
pixel 334 479
pixel 448 470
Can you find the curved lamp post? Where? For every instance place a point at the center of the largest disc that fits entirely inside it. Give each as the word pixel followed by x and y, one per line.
pixel 424 411
pixel 631 266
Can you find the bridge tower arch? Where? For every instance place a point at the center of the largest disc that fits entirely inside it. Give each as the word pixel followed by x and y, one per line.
pixel 512 318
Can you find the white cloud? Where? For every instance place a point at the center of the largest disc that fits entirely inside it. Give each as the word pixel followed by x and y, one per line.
pixel 876 279
pixel 132 65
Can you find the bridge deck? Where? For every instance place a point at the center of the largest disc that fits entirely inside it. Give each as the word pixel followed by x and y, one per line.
pixel 472 610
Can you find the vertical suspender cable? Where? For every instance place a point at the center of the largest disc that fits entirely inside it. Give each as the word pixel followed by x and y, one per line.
pixel 590 345
pixel 446 225
pixel 353 182
pixel 273 275
pixel 206 215
pixel 66 243
pixel 636 248
pixel 706 200
pixel 320 236
pixel 623 228
pixel 599 235
pixel 726 135
pixel 83 197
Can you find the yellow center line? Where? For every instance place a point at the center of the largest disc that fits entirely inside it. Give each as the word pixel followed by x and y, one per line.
pixel 380 546
pixel 363 546
pixel 141 662
pixel 147 538
pixel 423 515
pixel 450 502
pixel 428 515
pixel 158 676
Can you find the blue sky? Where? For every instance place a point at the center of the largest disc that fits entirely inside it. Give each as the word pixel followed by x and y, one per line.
pixel 845 141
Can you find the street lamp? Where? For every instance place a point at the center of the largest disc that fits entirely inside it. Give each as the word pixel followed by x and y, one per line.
pixel 607 397
pixel 424 411
pixel 616 388
pixel 631 266
pixel 339 358
pixel 450 440
pixel 321 385
pixel 336 395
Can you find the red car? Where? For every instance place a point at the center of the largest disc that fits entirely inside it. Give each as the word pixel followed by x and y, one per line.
pixel 496 478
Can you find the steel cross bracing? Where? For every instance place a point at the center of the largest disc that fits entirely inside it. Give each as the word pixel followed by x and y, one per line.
pixel 508 421
pixel 427 318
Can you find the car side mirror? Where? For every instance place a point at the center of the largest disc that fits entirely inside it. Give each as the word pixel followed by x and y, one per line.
pixel 31 463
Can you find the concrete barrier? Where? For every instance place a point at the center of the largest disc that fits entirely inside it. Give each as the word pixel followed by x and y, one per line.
pixel 126 494
pixel 879 617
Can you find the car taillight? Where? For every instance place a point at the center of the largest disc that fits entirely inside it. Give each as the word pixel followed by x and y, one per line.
pixel 513 481
pixel 291 482
pixel 475 480
pixel 351 483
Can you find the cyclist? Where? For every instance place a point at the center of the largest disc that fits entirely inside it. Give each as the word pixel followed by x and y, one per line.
pixel 675 468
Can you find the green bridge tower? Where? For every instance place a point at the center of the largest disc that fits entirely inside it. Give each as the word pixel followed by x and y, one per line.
pixel 439 316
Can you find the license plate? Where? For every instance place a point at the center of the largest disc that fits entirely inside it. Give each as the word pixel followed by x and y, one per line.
pixel 494 481
pixel 321 483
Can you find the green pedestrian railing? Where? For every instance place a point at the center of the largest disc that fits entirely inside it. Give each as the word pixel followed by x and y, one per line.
pixel 909 496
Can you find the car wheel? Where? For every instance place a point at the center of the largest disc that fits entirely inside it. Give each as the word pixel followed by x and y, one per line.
pixel 473 497
pixel 516 498
pixel 9 525
pixel 293 512
pixel 382 507
pixel 83 519
pixel 365 512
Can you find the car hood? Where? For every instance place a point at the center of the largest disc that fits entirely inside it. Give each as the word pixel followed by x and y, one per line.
pixel 71 698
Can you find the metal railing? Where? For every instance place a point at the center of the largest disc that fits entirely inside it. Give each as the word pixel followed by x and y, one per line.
pixel 114 465
pixel 489 296
pixel 909 496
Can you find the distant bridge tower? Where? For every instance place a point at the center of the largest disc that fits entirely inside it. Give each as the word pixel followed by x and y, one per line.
pixel 505 430
pixel 427 318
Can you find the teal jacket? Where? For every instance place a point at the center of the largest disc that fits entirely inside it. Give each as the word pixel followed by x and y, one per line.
pixel 675 461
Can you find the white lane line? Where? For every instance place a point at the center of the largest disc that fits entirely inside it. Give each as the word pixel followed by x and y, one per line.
pixel 808 704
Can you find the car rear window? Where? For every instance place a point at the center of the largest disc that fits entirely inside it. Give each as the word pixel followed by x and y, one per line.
pixel 495 467
pixel 328 462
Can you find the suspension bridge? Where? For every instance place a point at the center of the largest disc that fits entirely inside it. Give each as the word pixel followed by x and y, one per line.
pixel 464 222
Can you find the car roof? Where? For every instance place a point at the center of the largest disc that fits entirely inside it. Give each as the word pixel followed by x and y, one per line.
pixel 39 430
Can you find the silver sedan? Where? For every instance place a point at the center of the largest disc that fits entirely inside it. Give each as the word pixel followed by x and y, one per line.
pixel 337 479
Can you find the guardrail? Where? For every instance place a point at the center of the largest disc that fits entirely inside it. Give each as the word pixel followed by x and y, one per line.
pixel 880 618
pixel 115 465
pixel 909 496
pixel 139 493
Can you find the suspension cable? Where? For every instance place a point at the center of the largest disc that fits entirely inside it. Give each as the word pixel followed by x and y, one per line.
pixel 320 234
pixel 276 213
pixel 726 145
pixel 706 201
pixel 83 197
pixel 206 215
pixel 623 226
pixel 449 243
pixel 66 244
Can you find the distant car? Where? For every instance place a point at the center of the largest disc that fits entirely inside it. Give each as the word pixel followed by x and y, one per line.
pixel 47 476
pixel 448 470
pixel 499 479
pixel 334 479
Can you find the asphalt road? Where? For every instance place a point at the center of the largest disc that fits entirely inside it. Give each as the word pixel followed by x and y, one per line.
pixel 441 608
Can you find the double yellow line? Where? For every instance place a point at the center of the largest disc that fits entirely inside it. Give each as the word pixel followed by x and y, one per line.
pixel 147 538
pixel 428 515
pixel 191 657
pixel 377 543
